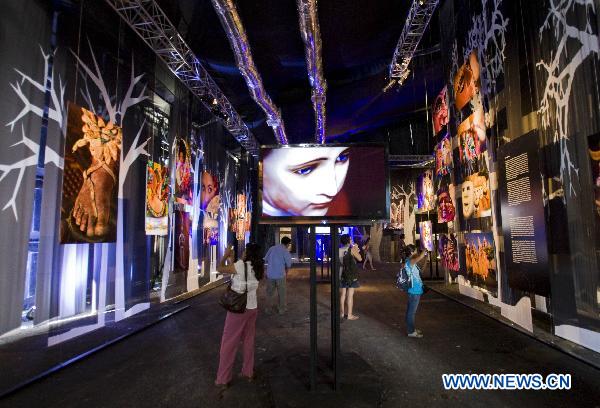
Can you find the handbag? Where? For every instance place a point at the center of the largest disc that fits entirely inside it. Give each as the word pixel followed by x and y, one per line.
pixel 233 301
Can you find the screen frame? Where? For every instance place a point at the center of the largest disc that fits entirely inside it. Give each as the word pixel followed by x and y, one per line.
pixel 324 220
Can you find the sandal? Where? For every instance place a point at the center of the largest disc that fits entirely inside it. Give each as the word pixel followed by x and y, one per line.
pixel 352 317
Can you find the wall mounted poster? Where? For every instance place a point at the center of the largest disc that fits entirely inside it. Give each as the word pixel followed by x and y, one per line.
pixel 594 149
pixel 448 251
pixel 425 192
pixel 210 203
pixel 440 111
pixel 446 209
pixel 523 217
pixel 239 218
pixel 467 81
pixel 181 249
pixel 183 173
pixel 426 233
pixel 90 178
pixel 157 199
pixel 476 202
pixel 480 259
pixel 472 143
pixel 443 157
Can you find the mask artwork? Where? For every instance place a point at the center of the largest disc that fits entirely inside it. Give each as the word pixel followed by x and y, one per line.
pixel 90 178
pixel 183 173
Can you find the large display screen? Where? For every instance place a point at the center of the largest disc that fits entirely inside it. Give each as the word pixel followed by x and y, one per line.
pixel 314 183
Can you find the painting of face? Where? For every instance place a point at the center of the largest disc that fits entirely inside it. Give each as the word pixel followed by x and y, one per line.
pixel 446 210
pixel 466 81
pixel 183 173
pixel 440 111
pixel 467 199
pixel 210 188
pixel 303 181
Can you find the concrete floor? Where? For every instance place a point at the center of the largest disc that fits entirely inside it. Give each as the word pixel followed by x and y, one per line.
pixel 173 363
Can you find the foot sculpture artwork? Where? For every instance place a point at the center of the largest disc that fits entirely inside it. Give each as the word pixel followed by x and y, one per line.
pixel 92 210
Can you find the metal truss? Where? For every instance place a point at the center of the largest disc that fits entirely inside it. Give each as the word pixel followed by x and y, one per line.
pixel 311 35
pixel 410 160
pixel 148 20
pixel 416 22
pixel 236 34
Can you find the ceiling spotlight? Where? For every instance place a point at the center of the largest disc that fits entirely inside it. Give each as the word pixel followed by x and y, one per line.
pixel 215 101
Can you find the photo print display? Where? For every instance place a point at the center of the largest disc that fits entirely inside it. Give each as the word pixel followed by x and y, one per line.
pixel 90 178
pixel 181 251
pixel 443 157
pixel 439 111
pixel 594 149
pixel 467 82
pixel 240 217
pixel 448 252
pixel 426 234
pixel 332 181
pixel 476 201
pixel 183 173
pixel 425 192
pixel 480 258
pixel 446 208
pixel 157 199
pixel 210 203
pixel 472 143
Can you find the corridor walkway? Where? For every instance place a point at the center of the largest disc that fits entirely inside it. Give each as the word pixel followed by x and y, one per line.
pixel 173 363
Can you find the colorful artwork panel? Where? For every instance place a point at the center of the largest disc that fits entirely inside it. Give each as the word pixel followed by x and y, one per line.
pixel 90 178
pixel 157 199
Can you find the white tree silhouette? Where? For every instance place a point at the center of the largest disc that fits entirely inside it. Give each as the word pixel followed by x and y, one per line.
pixel 488 37
pixel 56 113
pixel 561 70
pixel 406 198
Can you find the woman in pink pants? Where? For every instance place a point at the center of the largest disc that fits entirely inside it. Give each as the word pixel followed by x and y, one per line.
pixel 240 327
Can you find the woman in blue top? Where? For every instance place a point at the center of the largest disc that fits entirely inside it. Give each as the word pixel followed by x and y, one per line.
pixel 416 289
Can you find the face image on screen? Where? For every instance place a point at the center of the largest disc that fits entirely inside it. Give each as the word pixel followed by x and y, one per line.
pixel 324 181
pixel 440 111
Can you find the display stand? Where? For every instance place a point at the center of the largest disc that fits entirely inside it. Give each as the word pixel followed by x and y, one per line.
pixel 335 309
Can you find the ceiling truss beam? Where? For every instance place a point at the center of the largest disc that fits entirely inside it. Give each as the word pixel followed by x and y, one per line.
pixel 149 21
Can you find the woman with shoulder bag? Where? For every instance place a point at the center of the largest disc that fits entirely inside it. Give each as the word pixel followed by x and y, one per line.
pixel 416 289
pixel 240 326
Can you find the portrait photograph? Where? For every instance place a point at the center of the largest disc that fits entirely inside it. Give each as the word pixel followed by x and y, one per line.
pixel 443 157
pixel 476 198
pixel 90 178
pixel 472 142
pixel 157 199
pixel 439 111
pixel 467 81
pixel 181 249
pixel 426 234
pixel 210 204
pixel 448 252
pixel 446 208
pixel 183 173
pixel 324 181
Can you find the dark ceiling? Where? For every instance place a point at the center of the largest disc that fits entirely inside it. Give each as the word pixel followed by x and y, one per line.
pixel 358 37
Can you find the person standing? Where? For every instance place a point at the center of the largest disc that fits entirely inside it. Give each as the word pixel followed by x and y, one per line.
pixel 416 289
pixel 348 252
pixel 278 261
pixel 240 327
pixel 368 256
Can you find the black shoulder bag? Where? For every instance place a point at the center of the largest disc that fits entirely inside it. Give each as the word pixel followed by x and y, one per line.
pixel 233 301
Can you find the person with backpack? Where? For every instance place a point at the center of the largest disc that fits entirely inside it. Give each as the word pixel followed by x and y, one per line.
pixel 349 254
pixel 410 280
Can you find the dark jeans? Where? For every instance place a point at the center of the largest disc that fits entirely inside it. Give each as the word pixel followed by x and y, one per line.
pixel 411 311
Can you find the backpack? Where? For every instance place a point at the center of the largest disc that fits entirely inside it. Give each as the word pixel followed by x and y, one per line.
pixel 349 268
pixel 404 277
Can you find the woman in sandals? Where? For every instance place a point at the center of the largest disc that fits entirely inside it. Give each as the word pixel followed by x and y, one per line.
pixel 240 327
pixel 347 287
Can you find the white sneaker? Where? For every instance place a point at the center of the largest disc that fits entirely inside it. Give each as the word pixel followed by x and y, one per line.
pixel 415 334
